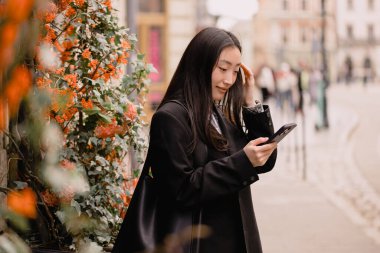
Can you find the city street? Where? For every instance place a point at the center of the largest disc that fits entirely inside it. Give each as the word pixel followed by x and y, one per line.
pixel 325 197
pixel 365 138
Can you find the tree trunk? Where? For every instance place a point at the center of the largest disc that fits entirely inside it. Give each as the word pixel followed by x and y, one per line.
pixel 3 173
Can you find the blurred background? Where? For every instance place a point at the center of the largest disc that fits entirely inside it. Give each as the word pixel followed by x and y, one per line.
pixel 317 63
pixel 340 37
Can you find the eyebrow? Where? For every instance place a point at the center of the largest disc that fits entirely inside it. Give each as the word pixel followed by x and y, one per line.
pixel 229 63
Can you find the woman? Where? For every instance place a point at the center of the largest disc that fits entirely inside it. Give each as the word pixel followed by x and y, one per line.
pixel 205 148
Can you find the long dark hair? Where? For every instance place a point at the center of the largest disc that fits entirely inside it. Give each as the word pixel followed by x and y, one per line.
pixel 191 84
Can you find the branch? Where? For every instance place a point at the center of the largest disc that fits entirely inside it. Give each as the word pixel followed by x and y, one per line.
pixel 100 62
pixel 36 179
pixel 29 169
pixel 64 29
pixel 5 190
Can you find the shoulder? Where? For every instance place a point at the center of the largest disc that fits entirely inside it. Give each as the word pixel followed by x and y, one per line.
pixel 172 111
pixel 173 106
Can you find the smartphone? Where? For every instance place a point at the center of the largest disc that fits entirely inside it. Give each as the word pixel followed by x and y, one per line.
pixel 281 133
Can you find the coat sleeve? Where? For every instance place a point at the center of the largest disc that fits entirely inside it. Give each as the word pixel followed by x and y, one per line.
pixel 174 170
pixel 260 125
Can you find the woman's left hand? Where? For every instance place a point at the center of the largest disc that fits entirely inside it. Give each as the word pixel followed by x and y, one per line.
pixel 249 86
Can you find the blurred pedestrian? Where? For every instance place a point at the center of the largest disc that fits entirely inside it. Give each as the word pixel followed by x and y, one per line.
pixel 303 84
pixel 315 79
pixel 287 90
pixel 294 89
pixel 349 68
pixel 317 86
pixel 205 148
pixel 265 80
pixel 297 95
pixel 367 67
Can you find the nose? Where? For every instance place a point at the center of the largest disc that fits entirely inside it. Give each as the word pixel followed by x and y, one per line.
pixel 226 82
pixel 229 78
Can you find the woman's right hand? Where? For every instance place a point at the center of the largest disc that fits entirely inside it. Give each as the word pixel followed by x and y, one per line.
pixel 259 155
pixel 249 86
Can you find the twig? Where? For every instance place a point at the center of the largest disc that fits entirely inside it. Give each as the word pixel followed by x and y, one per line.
pixel 28 170
pixel 5 190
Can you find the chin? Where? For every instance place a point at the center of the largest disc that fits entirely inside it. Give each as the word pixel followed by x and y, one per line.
pixel 218 97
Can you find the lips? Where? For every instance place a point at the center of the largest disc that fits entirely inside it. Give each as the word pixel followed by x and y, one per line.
pixel 222 89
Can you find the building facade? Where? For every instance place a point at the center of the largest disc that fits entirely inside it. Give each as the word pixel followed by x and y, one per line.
pixel 281 31
pixel 358 33
pixel 290 31
pixel 164 28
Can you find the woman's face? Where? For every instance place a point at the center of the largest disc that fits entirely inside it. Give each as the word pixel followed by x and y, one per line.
pixel 225 72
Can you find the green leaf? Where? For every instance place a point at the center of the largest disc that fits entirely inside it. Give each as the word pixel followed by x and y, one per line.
pixel 101 160
pixel 91 111
pixel 93 140
pixel 15 219
pixel 108 106
pixel 76 206
pixel 105 118
pixel 97 94
pixel 140 56
pixel 20 184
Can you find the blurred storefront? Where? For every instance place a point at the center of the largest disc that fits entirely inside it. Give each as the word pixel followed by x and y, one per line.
pixel 152 28
pixel 164 28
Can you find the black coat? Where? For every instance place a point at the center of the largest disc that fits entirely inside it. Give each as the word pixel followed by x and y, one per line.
pixel 208 186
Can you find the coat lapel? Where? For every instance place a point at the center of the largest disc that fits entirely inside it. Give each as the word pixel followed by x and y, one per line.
pixel 224 127
pixel 230 132
pixel 251 233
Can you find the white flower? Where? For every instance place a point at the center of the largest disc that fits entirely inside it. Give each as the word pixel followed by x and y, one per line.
pixel 48 57
pixel 90 247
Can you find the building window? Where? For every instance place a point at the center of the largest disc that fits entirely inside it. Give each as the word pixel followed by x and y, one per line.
pixel 350 5
pixel 155 52
pixel 285 5
pixel 350 32
pixel 304 5
pixel 151 6
pixel 152 26
pixel 370 31
pixel 371 5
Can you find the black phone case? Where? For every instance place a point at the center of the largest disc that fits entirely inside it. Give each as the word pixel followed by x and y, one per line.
pixel 281 133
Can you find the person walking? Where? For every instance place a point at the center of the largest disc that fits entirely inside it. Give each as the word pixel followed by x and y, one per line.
pixel 367 68
pixel 266 82
pixel 206 149
pixel 349 69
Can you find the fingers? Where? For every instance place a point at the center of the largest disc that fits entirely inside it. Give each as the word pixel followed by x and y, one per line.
pixel 258 141
pixel 248 78
pixel 259 155
pixel 261 160
pixel 269 146
pixel 247 71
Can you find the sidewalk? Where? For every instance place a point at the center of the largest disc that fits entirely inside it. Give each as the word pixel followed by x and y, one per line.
pixel 295 217
pixel 313 215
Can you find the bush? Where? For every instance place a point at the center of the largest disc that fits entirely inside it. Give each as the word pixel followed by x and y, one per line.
pixel 81 122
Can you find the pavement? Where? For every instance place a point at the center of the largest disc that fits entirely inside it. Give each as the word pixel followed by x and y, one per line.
pixel 324 193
